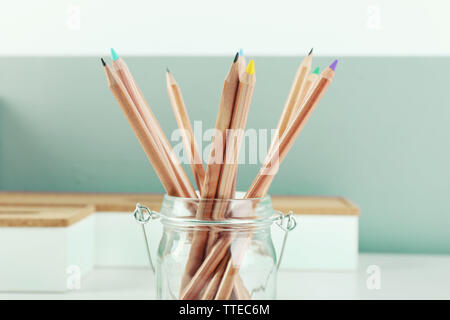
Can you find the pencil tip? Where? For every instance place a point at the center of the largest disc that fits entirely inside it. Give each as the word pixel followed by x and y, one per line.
pixel 333 65
pixel 236 57
pixel 167 69
pixel 241 52
pixel 114 54
pixel 103 62
pixel 316 70
pixel 250 67
pixel 310 51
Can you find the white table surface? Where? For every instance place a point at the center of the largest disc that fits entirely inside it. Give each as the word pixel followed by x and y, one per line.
pixel 402 277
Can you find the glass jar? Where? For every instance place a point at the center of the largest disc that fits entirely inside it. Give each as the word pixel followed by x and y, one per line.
pixel 216 249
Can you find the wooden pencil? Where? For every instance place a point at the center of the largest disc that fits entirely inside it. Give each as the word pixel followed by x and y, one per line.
pixel 145 138
pixel 226 186
pixel 211 289
pixel 233 144
pixel 213 170
pixel 223 123
pixel 309 84
pixel 227 282
pixel 206 269
pixel 238 103
pixel 242 64
pixel 240 290
pixel 289 106
pixel 187 134
pixel 152 124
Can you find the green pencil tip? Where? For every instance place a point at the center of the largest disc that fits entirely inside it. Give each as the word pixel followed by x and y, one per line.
pixel 316 70
pixel 114 55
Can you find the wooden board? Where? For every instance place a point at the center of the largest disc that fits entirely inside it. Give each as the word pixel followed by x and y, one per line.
pixel 101 201
pixel 126 202
pixel 42 216
pixel 315 205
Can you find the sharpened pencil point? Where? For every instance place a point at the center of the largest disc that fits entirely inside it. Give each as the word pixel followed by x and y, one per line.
pixel 241 52
pixel 316 70
pixel 333 65
pixel 236 57
pixel 103 62
pixel 250 67
pixel 114 55
pixel 167 69
pixel 310 51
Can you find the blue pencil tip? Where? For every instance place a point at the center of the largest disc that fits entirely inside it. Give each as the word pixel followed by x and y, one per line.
pixel 114 55
pixel 241 52
pixel 333 65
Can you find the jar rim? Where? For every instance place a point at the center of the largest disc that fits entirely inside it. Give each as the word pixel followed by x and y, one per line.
pixel 231 211
pixel 220 199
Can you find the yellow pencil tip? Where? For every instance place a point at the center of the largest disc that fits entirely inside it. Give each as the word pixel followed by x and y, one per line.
pixel 250 67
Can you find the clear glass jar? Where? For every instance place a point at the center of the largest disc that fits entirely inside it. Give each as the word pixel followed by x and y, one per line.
pixel 216 249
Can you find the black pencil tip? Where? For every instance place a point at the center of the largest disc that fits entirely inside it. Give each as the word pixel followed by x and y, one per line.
pixel 236 57
pixel 167 69
pixel 103 62
pixel 310 51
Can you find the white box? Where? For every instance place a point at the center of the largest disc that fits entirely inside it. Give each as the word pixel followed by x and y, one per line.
pixel 326 237
pixel 320 242
pixel 45 248
pixel 119 240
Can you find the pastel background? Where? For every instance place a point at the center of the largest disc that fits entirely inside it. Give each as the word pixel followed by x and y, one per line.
pixel 379 137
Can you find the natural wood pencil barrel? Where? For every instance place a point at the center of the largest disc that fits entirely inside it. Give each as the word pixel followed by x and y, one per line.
pixel 187 134
pixel 148 142
pixel 233 145
pixel 235 135
pixel 213 170
pixel 294 92
pixel 308 85
pixel 153 126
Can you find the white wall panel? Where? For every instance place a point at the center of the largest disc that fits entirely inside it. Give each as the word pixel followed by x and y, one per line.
pixel 208 27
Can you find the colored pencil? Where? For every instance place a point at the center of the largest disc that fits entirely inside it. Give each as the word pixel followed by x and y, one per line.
pixel 242 64
pixel 233 144
pixel 223 122
pixel 187 134
pixel 158 159
pixel 229 168
pixel 150 121
pixel 214 169
pixel 211 289
pixel 309 84
pixel 289 106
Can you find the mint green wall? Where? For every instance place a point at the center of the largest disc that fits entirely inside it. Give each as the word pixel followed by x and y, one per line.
pixel 379 137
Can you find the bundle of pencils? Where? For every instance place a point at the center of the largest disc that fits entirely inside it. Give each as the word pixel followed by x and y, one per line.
pixel 212 271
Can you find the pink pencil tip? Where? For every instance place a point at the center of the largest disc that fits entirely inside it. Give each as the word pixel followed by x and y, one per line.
pixel 333 65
